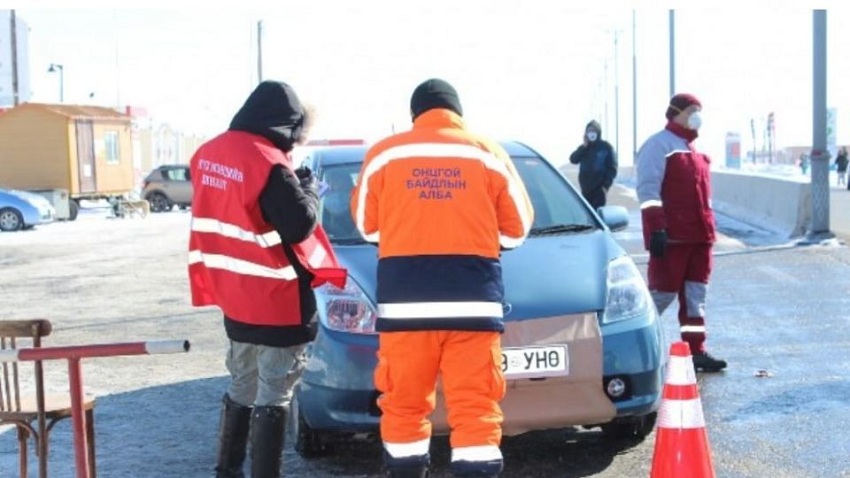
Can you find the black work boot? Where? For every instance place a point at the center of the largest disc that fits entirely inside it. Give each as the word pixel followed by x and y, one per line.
pixel 488 469
pixel 268 425
pixel 408 467
pixel 703 361
pixel 232 438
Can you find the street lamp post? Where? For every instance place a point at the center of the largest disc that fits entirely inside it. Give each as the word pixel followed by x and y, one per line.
pixel 672 31
pixel 819 229
pixel 53 68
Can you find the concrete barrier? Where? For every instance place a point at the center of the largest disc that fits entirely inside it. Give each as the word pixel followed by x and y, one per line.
pixel 776 204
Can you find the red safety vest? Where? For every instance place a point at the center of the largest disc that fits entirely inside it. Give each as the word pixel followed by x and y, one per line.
pixel 236 260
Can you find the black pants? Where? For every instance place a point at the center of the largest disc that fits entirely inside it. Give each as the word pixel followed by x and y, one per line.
pixel 596 197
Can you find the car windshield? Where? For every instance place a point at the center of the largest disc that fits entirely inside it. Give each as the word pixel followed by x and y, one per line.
pixel 557 208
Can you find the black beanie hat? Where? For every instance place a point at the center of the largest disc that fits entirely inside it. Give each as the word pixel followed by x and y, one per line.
pixel 679 103
pixel 434 93
pixel 595 125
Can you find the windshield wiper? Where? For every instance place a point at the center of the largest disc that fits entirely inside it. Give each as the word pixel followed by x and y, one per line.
pixel 559 229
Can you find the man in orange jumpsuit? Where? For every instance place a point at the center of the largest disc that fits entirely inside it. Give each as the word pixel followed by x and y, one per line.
pixel 440 202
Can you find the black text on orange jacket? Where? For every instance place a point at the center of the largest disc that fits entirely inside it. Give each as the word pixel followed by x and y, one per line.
pixel 440 202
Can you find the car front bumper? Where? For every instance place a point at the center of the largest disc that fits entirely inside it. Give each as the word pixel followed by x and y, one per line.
pixel 337 393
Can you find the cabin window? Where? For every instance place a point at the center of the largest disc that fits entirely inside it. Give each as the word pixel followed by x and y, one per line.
pixel 112 147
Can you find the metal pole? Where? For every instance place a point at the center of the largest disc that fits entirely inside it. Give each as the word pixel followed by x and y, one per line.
pixel 672 52
pixel 606 96
pixel 820 155
pixel 259 51
pixel 616 95
pixel 16 95
pixel 634 92
pixel 78 417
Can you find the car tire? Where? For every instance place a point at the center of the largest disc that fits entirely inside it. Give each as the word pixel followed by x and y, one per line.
pixel 630 427
pixel 159 202
pixel 11 220
pixel 73 209
pixel 309 443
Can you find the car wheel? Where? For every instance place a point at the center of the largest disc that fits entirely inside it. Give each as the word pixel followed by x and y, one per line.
pixel 309 443
pixel 630 427
pixel 73 209
pixel 159 202
pixel 10 220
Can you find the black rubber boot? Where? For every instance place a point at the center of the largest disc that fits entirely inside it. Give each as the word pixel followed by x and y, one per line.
pixel 407 467
pixel 703 361
pixel 232 438
pixel 477 469
pixel 268 425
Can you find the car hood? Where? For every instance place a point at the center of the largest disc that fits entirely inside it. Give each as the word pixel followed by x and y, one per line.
pixel 36 200
pixel 545 277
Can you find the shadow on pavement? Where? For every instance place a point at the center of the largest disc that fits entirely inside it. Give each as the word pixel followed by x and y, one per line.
pixel 171 431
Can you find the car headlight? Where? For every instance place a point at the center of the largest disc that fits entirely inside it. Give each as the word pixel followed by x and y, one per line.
pixel 347 309
pixel 628 296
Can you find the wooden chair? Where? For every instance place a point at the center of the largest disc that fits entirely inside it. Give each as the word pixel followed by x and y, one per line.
pixel 46 411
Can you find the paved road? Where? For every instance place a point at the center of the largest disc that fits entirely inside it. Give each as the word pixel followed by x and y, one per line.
pixel 772 307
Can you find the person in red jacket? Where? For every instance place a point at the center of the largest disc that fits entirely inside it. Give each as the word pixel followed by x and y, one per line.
pixel 255 251
pixel 674 191
pixel 440 202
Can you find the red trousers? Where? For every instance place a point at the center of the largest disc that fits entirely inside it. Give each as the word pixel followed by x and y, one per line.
pixel 683 272
pixel 469 364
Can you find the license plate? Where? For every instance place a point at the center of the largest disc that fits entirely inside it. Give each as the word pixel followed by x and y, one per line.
pixel 536 361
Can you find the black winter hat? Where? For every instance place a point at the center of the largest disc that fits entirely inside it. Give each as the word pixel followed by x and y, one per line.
pixel 595 125
pixel 273 111
pixel 434 93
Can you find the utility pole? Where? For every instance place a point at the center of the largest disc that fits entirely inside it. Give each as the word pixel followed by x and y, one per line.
pixel 259 51
pixel 634 93
pixel 819 229
pixel 616 94
pixel 15 87
pixel 606 96
pixel 672 52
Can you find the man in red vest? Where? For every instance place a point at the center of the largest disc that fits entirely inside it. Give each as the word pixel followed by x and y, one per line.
pixel 255 251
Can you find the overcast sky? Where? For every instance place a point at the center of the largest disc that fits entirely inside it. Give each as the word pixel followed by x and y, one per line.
pixel 535 72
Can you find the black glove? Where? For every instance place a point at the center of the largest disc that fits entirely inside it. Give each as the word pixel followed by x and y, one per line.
pixel 657 243
pixel 306 179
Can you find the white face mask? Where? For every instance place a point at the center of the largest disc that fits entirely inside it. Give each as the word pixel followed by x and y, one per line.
pixel 694 121
pixel 591 136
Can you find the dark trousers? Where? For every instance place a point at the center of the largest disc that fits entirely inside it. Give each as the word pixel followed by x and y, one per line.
pixel 596 197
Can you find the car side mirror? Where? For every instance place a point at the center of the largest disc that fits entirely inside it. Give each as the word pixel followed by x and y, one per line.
pixel 615 217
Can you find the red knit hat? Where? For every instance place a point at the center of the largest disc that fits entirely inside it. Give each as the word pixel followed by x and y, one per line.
pixel 679 103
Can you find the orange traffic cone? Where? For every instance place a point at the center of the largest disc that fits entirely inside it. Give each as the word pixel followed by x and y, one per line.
pixel 681 444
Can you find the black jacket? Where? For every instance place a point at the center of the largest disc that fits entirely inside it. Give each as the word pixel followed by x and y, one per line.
pixel 597 165
pixel 274 112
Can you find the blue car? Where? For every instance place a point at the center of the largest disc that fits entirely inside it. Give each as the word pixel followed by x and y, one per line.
pixel 582 347
pixel 23 210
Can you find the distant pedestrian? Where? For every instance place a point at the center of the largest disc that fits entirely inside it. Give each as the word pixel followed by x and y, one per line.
pixel 804 163
pixel 597 162
pixel 841 166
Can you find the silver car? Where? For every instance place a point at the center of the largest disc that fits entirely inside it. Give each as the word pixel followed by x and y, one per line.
pixel 168 185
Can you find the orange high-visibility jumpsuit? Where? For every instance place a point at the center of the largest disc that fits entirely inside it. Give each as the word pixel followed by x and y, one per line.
pixel 440 202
